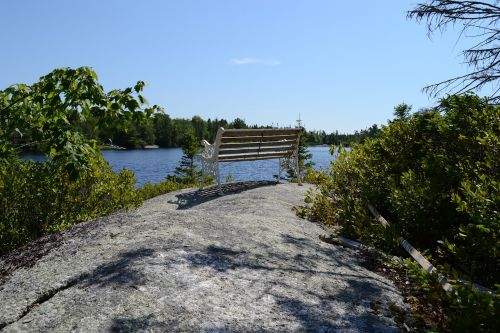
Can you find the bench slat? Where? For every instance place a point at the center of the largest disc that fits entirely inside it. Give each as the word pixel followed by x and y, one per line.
pixel 252 157
pixel 261 132
pixel 258 138
pixel 288 149
pixel 292 143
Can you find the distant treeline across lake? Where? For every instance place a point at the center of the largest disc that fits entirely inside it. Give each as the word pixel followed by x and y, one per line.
pixel 153 165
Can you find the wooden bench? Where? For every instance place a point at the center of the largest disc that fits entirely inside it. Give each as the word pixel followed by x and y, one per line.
pixel 235 145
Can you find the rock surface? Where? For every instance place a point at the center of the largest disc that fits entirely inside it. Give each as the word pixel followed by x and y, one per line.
pixel 193 261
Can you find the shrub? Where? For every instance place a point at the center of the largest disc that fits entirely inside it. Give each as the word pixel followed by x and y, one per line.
pixel 149 190
pixel 466 309
pixel 435 176
pixel 37 198
pixel 75 183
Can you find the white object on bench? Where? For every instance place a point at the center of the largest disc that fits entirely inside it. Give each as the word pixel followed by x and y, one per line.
pixel 235 145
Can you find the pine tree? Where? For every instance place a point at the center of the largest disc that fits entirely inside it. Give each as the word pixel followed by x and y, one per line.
pixel 304 158
pixel 187 171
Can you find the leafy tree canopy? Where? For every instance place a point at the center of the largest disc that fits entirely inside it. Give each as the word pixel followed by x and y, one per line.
pixel 41 114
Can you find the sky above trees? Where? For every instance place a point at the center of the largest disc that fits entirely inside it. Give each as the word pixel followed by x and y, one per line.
pixel 341 65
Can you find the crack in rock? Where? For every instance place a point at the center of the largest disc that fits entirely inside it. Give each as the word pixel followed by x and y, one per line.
pixel 44 298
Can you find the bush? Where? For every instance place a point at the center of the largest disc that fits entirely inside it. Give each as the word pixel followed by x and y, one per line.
pixel 40 198
pixel 466 309
pixel 149 190
pixel 435 176
pixel 75 183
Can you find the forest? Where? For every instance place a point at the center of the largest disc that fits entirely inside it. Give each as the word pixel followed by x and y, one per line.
pixel 162 130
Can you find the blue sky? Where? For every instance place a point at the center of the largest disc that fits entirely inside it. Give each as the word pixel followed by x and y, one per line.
pixel 343 65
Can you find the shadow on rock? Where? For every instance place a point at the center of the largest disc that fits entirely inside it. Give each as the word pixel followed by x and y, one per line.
pixel 120 271
pixel 318 317
pixel 310 317
pixel 197 197
pixel 219 259
pixel 224 259
pixel 316 309
pixel 141 324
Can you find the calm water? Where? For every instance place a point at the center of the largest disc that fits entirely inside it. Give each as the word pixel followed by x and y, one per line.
pixel 154 165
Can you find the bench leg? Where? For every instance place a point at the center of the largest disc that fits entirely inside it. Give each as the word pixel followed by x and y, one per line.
pixel 279 170
pixel 218 179
pixel 203 175
pixel 297 171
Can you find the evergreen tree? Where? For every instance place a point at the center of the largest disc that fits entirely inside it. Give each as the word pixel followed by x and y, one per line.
pixel 187 171
pixel 238 123
pixel 304 158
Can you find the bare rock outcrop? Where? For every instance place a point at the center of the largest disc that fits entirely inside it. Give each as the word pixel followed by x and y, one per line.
pixel 192 261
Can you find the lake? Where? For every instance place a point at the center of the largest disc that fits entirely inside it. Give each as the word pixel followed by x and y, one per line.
pixel 154 165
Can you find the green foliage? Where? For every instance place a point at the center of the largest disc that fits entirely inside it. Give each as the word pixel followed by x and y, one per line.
pixel 187 172
pixel 305 163
pixel 343 139
pixel 166 132
pixel 315 177
pixel 63 116
pixel 402 111
pixel 157 129
pixel 466 309
pixel 238 123
pixel 435 176
pixel 426 282
pixel 473 311
pixel 54 116
pixel 42 115
pixel 338 200
pixel 149 190
pixel 40 198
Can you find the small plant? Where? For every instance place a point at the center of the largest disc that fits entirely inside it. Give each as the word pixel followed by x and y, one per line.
pixel 187 172
pixel 304 156
pixel 466 309
pixel 149 190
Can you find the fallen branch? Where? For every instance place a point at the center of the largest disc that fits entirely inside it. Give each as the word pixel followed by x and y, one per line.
pixel 424 263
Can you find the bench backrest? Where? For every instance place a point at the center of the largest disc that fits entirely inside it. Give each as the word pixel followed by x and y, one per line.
pixel 256 144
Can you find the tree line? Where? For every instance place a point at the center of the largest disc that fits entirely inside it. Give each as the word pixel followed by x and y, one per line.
pixel 341 139
pixel 162 130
